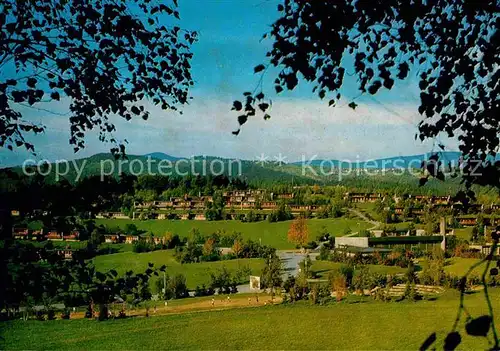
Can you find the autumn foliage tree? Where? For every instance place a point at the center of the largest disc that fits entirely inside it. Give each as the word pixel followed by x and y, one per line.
pixel 339 286
pixel 298 232
pixel 106 57
pixel 237 248
pixel 209 247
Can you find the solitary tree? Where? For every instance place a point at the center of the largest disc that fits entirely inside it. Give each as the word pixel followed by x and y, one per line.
pixel 298 232
pixel 106 57
pixel 452 45
pixel 237 248
pixel 272 273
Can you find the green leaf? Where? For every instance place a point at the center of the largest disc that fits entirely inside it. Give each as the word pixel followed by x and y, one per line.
pixel 259 68
pixel 31 82
pixel 479 326
pixel 452 340
pixel 242 119
pixel 55 96
pixel 428 342
pixel 135 110
pixel 237 105
pixel 353 105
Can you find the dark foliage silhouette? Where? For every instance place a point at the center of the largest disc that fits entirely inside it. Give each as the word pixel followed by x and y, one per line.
pixel 452 45
pixel 40 276
pixel 479 326
pixel 107 57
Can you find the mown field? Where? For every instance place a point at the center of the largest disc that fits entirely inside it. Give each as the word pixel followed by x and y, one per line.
pixel 464 233
pixel 369 325
pixel 455 266
pixel 195 273
pixel 273 234
pixel 459 266
pixel 323 268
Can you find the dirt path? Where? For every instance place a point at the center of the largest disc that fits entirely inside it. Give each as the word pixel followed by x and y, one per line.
pixel 364 218
pixel 198 305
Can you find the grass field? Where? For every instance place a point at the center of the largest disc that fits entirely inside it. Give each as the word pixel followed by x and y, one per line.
pixel 459 266
pixel 369 325
pixel 464 233
pixel 456 266
pixel 323 268
pixel 195 273
pixel 273 234
pixel 369 209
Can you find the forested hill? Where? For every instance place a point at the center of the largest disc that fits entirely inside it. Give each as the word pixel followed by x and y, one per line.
pixel 386 163
pixel 105 164
pixel 256 173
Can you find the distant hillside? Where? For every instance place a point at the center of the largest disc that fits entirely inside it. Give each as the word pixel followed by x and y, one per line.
pixel 163 156
pixel 105 164
pixel 387 163
pixel 370 178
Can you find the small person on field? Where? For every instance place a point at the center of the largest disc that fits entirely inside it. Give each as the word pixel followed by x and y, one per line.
pixel 249 300
pixel 228 298
pixel 213 302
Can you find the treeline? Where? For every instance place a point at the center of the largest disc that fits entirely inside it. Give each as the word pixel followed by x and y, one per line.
pixel 222 281
pixel 199 247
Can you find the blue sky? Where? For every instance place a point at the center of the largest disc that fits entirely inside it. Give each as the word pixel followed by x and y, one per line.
pixel 229 47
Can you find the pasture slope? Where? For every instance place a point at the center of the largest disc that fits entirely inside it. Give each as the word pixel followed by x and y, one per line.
pixel 195 273
pixel 272 234
pixel 364 325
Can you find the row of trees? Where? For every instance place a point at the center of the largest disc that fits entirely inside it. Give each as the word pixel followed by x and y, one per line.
pixel 209 249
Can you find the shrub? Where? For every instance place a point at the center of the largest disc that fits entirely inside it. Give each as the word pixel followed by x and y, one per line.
pixel 143 245
pixel 40 316
pixel 347 272
pixel 121 314
pixel 65 314
pixel 340 287
pixel 251 217
pixel 228 240
pixel 88 312
pixel 324 253
pixel 282 213
pixel 362 279
pixel 364 233
pixel 311 245
pixel 51 315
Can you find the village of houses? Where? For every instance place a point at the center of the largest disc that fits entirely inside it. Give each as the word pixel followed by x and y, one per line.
pixel 237 203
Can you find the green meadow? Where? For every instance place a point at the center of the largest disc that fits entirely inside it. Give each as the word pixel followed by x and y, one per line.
pixel 272 234
pixel 464 233
pixel 366 325
pixel 323 268
pixel 195 273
